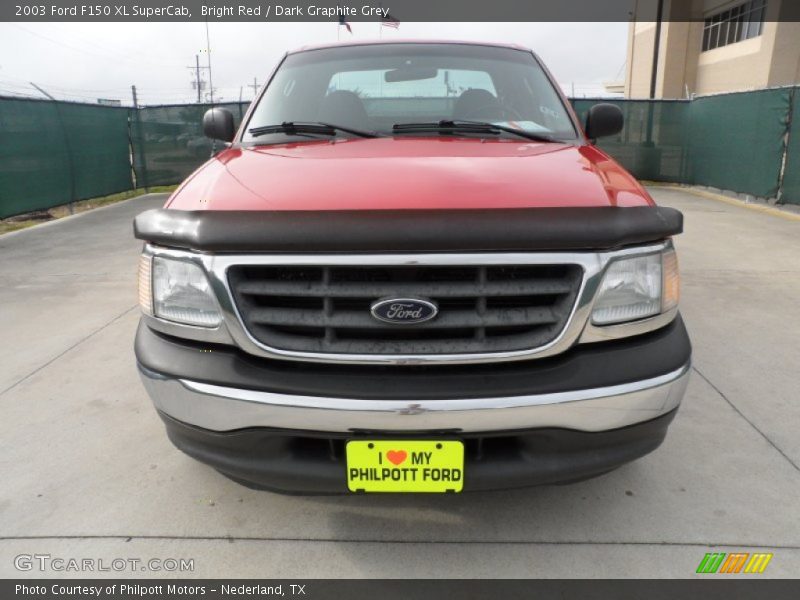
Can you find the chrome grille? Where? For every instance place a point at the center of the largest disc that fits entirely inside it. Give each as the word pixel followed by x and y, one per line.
pixel 481 308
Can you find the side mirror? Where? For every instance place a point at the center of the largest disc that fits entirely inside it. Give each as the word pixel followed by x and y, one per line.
pixel 604 120
pixel 218 124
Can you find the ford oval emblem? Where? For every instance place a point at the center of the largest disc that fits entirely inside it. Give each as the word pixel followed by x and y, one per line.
pixel 404 311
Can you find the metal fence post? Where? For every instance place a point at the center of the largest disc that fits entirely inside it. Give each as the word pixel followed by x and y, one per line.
pixel 67 147
pixel 787 138
pixel 139 137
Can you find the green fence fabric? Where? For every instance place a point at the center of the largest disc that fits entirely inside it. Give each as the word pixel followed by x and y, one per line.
pixel 653 143
pixel 52 153
pixel 736 141
pixel 733 142
pixel 168 141
pixel 791 177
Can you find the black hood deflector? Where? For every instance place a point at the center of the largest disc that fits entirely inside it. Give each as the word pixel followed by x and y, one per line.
pixel 467 230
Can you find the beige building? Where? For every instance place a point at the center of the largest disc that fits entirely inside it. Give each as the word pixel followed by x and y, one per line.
pixel 732 45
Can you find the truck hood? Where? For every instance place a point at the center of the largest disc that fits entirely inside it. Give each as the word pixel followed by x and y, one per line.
pixel 408 173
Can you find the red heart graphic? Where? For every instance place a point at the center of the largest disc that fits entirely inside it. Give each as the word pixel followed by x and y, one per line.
pixel 396 456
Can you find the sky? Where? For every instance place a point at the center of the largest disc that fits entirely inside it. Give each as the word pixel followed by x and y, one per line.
pixel 87 61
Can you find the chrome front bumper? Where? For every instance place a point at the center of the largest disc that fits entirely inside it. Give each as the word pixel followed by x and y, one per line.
pixel 219 408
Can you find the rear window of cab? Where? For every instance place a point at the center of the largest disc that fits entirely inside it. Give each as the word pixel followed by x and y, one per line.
pixel 374 87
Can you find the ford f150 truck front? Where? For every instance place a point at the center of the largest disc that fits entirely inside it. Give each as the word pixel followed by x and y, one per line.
pixel 411 271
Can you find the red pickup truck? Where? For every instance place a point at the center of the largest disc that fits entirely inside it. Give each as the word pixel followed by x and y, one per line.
pixel 411 270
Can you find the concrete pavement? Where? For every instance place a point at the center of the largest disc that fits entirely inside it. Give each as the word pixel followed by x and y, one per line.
pixel 88 472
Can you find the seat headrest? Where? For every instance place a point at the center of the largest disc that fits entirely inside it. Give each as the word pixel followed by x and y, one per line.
pixel 343 107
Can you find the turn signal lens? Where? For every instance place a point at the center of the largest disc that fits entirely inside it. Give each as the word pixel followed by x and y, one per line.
pixel 145 284
pixel 671 284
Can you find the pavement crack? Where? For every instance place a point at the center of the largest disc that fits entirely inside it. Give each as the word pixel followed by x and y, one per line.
pixel 73 346
pixel 748 421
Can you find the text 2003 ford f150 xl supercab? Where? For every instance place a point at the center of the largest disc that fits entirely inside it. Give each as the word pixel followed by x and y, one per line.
pixel 411 271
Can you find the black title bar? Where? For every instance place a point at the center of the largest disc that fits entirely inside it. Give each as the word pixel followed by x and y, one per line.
pixel 366 10
pixel 399 589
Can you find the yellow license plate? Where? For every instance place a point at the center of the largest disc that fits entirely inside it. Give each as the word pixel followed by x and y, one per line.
pixel 405 466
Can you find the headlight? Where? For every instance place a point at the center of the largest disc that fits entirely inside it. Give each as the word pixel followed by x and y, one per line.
pixel 180 292
pixel 636 288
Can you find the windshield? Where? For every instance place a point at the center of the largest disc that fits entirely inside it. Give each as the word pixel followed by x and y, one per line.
pixel 372 88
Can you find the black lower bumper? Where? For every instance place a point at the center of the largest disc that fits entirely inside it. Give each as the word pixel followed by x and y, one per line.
pixel 314 463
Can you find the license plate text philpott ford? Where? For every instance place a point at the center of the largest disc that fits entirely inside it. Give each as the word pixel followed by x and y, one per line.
pixel 405 466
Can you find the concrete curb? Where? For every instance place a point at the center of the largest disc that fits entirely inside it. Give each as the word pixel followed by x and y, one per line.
pixel 770 210
pixel 4 236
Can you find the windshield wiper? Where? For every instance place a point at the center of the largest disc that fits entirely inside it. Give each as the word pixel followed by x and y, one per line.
pixel 463 126
pixel 297 127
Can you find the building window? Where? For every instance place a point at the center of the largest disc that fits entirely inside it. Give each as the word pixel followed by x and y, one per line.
pixel 741 22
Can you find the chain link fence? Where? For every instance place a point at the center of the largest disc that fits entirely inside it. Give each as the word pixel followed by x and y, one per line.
pixel 53 153
pixel 168 141
pixel 790 184
pixel 653 143
pixel 735 142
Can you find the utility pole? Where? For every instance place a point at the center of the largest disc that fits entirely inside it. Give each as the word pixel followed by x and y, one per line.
pixel 199 84
pixel 210 81
pixel 656 44
pixel 197 75
pixel 254 86
pixel 654 71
